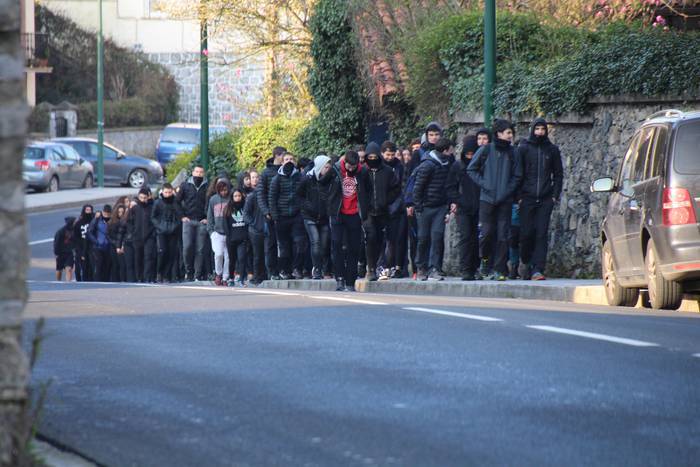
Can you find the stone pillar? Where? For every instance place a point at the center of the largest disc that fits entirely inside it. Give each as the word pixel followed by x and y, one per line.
pixel 13 242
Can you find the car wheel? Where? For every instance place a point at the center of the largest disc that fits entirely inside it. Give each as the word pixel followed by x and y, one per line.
pixel 53 185
pixel 663 294
pixel 615 294
pixel 88 182
pixel 137 178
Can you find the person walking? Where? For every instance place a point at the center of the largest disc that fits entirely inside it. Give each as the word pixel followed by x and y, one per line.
pixel 192 197
pixel 430 202
pixel 496 169
pixel 99 244
pixel 83 259
pixel 63 249
pixel 540 191
pixel 216 225
pixel 257 225
pixel 285 212
pixel 314 209
pixel 167 219
pixel 347 203
pixel 463 194
pixel 397 228
pixel 143 235
pixel 115 233
pixel 263 194
pixel 236 239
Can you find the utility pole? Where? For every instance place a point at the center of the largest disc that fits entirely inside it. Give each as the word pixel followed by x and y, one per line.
pixel 204 88
pixel 100 105
pixel 489 59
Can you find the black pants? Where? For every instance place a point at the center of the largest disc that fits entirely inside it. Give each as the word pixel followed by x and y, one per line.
pixel 534 227
pixel 83 267
pixel 257 243
pixel 374 229
pixel 237 258
pixel 145 260
pixel 103 264
pixel 396 240
pixel 118 266
pixel 412 224
pixel 431 237
pixel 167 255
pixel 129 257
pixel 468 225
pixel 291 243
pixel 194 242
pixel 495 230
pixel 271 249
pixel 319 236
pixel 346 235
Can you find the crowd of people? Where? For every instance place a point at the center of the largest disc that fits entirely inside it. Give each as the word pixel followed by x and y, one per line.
pixel 377 212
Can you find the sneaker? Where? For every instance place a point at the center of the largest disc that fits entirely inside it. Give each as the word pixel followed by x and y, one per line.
pixel 397 273
pixel 441 273
pixel 538 276
pixel 217 280
pixel 513 275
pixel 422 275
pixel 371 275
pixel 434 275
pixel 414 276
pixel 188 278
pixel 485 268
pixel 242 283
pixel 230 283
pixel 297 274
pixel 468 276
pixel 275 277
pixel 340 285
pixel 284 276
pixel 350 288
pixel 361 269
pixel 385 275
pixel 500 277
pixel 316 274
pixel 524 271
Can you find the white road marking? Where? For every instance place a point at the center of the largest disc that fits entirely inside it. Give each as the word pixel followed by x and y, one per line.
pixel 451 313
pixel 350 300
pixel 39 242
pixel 234 289
pixel 696 355
pixel 592 335
pixel 135 284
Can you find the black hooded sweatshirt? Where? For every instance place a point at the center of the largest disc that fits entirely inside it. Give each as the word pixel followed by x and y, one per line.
pixel 64 240
pixel 542 166
pixel 166 215
pixel 193 199
pixel 139 224
pixel 461 189
pixel 263 189
pixel 80 229
pixel 496 169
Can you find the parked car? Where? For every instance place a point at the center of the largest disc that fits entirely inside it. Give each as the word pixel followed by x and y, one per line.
pixel 177 138
pixel 49 166
pixel 119 168
pixel 651 236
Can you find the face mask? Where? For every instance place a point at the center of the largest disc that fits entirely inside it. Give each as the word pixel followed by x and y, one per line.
pixel 288 168
pixel 89 216
pixel 198 180
pixel 374 163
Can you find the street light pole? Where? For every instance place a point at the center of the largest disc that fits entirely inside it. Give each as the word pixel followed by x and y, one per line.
pixel 100 104
pixel 489 59
pixel 204 91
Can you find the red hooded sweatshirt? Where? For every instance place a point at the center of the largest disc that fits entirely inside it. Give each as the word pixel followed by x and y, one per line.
pixel 349 187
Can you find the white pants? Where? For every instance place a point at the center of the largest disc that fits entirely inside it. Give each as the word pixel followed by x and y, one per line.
pixel 218 244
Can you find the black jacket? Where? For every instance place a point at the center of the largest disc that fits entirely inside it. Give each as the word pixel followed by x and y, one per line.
pixel 496 169
pixel 253 217
pixel 431 177
pixel 282 199
pixel 541 165
pixel 193 199
pixel 334 180
pixel 115 233
pixel 382 188
pixel 263 189
pixel 314 199
pixel 397 206
pixel 64 240
pixel 461 189
pixel 80 228
pixel 139 225
pixel 166 216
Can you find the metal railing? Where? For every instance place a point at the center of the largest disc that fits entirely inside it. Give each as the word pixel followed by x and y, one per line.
pixel 36 49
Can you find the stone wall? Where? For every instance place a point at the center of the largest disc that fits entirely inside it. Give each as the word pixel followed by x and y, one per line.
pixel 592 146
pixel 233 86
pixel 13 239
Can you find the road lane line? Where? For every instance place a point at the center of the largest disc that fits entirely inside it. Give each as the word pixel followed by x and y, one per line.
pixel 696 355
pixel 39 242
pixel 592 335
pixel 451 313
pixel 235 289
pixel 350 300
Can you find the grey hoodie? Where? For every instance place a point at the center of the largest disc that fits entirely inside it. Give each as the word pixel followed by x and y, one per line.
pixel 216 219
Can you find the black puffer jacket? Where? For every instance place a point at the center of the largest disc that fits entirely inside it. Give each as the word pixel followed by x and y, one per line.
pixel 431 178
pixel 461 189
pixel 541 165
pixel 314 199
pixel 193 199
pixel 383 187
pixel 263 189
pixel 253 216
pixel 496 169
pixel 397 206
pixel 166 216
pixel 139 226
pixel 282 200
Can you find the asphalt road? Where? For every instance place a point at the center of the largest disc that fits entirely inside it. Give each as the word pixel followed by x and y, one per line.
pixel 151 376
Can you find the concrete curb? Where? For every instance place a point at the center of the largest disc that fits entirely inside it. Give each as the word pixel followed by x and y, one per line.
pixel 43 202
pixel 552 290
pixel 97 203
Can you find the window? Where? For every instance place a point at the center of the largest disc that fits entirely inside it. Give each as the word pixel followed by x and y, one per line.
pixel 58 154
pixel 71 155
pixel 180 135
pixel 686 157
pixel 109 153
pixel 645 144
pixel 625 177
pixel 33 154
pixel 658 157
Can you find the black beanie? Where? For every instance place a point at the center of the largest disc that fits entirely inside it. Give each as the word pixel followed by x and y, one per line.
pixel 372 148
pixel 107 208
pixel 500 125
pixel 469 144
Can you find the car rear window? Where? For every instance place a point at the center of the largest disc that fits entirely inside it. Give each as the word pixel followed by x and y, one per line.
pixel 686 159
pixel 180 135
pixel 34 154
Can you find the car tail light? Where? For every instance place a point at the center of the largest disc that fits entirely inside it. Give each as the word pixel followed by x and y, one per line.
pixel 42 165
pixel 678 207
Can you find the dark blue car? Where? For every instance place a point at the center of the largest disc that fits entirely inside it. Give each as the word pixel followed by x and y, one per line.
pixel 177 138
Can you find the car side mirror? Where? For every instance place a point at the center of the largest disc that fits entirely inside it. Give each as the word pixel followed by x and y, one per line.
pixel 120 156
pixel 603 185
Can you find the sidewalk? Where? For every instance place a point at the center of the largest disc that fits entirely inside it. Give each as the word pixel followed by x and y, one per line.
pixel 40 202
pixel 589 292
